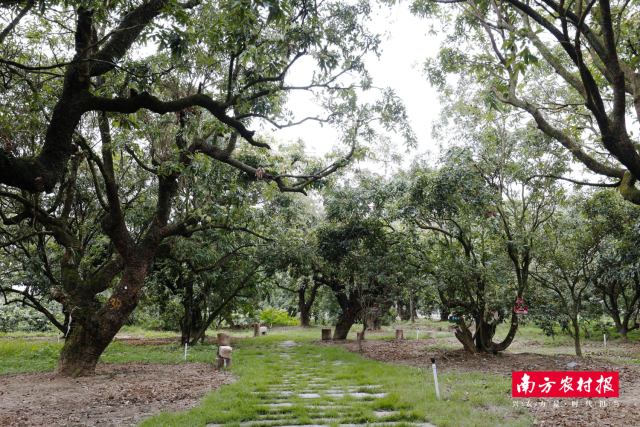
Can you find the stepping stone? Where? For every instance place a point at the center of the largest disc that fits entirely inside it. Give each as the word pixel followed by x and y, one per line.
pixel 361 395
pixel 382 414
pixel 308 395
pixel 325 406
pixel 335 394
pixel 278 405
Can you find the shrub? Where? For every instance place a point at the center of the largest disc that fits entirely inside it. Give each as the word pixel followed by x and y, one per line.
pixel 273 316
pixel 15 318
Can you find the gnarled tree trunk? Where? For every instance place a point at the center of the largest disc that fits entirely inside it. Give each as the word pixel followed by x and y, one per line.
pixel 304 305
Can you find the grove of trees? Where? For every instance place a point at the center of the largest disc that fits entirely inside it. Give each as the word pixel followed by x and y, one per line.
pixel 138 174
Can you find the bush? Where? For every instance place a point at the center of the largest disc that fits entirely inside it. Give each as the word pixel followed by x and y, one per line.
pixel 15 318
pixel 273 316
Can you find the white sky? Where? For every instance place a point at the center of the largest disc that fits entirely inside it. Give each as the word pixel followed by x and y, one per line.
pixel 404 50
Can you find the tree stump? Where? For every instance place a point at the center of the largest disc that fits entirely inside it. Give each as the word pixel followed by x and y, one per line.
pixel 399 334
pixel 431 334
pixel 221 362
pixel 256 330
pixel 326 334
pixel 224 339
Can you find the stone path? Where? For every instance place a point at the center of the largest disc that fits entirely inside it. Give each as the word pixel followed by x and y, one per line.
pixel 309 397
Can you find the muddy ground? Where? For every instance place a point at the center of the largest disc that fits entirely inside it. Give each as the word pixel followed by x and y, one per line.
pixel 621 412
pixel 118 395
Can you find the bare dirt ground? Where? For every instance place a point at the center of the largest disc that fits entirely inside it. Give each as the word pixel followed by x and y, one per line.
pixel 586 413
pixel 118 395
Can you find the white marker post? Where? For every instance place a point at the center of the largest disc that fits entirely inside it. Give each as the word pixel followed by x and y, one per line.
pixel 185 350
pixel 605 340
pixel 435 375
pixel 418 334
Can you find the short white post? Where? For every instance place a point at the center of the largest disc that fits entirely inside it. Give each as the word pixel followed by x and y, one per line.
pixel 418 334
pixel 605 340
pixel 435 375
pixel 185 350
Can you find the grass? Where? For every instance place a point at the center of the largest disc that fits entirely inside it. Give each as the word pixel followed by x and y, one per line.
pixel 137 331
pixel 19 356
pixel 468 399
pixel 24 334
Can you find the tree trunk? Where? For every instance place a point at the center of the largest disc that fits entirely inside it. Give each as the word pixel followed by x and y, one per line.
pixel 95 330
pixel 576 337
pixel 465 337
pixel 344 324
pixel 373 322
pixel 403 312
pixel 305 318
pixel 346 320
pixel 305 311
pixel 482 340
pixel 623 333
pixel 304 305
pixel 412 310
pixel 187 327
pixel 444 313
pixel 361 334
pixel 80 353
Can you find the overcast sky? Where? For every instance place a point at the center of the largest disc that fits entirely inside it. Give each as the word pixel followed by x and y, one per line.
pixel 404 50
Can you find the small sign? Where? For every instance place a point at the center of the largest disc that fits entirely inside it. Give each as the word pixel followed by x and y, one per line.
pixel 520 301
pixel 374 308
pixel 565 384
pixel 521 310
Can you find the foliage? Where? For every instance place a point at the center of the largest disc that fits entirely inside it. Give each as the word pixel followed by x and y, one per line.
pixel 14 318
pixel 555 64
pixel 273 316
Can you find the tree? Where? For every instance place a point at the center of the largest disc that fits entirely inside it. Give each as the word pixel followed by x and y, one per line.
pixel 486 204
pixel 304 303
pixel 97 107
pixel 616 277
pixel 565 264
pixel 362 250
pixel 572 67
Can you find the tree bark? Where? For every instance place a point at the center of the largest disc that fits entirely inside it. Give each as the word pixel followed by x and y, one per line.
pixel 576 336
pixel 80 353
pixel 187 325
pixel 345 322
pixel 444 313
pixel 374 322
pixel 304 305
pixel 412 310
